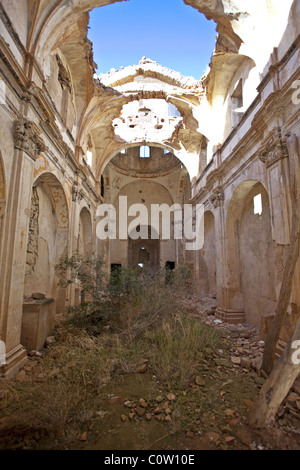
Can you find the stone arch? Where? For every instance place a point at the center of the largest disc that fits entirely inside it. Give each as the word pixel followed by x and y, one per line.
pixel 54 18
pixel 58 197
pixel 85 233
pixel 190 162
pixel 48 238
pixel 250 263
pixel 146 193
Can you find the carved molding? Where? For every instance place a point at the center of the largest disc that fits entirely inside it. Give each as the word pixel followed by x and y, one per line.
pixel 217 198
pixel 27 138
pixel 77 193
pixel 274 149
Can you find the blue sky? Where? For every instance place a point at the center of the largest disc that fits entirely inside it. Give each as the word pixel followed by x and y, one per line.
pixel 167 31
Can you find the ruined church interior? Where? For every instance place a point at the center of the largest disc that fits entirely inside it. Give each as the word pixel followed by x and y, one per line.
pixel 73 139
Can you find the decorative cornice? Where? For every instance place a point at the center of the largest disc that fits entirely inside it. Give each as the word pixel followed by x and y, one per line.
pixel 27 138
pixel 217 198
pixel 274 148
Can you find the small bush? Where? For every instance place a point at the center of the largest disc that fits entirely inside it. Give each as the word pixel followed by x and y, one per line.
pixel 176 349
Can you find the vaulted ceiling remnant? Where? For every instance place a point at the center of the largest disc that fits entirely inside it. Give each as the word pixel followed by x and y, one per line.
pixel 224 13
pixel 242 43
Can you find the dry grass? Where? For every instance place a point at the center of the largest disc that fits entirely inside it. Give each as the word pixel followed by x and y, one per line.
pixel 176 349
pixel 74 370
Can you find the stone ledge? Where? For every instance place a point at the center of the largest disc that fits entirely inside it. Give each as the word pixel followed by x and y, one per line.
pixel 37 322
pixel 230 316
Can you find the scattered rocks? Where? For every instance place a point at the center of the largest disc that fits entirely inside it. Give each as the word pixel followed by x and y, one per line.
pixel 142 369
pixel 21 376
pixel 260 380
pixel 223 362
pixel 35 353
pixel 38 296
pixel 213 437
pixel 256 363
pixel 245 363
pixel 40 377
pixel 143 403
pixel 171 397
pixel 85 415
pixel 199 381
pixel 50 340
pixel 101 414
pixel 140 412
pixel 236 360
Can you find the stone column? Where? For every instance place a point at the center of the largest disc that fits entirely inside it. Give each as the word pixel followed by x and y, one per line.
pixel 275 153
pixel 230 307
pixel 28 145
pixel 73 292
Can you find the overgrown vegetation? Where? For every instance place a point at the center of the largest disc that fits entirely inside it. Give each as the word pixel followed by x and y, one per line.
pixel 129 299
pixel 132 315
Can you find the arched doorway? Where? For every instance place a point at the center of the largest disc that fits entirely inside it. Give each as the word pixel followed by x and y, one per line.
pixel 257 257
pixel 144 253
pixel 147 194
pixel 250 263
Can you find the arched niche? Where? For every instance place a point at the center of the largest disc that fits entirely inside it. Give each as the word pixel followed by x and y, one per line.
pixel 146 193
pixel 144 253
pixel 47 238
pixel 250 258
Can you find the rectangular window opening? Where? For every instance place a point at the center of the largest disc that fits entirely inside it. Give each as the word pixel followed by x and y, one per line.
pixel 145 151
pixel 257 204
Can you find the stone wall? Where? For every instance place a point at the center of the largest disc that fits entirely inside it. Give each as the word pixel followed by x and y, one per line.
pixel 228 140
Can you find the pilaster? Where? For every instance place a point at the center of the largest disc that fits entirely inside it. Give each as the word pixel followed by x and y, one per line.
pixel 28 145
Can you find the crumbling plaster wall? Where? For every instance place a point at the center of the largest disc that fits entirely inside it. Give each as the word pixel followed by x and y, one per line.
pixel 257 260
pixel 40 277
pixel 63 27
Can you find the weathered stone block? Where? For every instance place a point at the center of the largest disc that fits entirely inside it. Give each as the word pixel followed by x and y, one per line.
pixel 37 323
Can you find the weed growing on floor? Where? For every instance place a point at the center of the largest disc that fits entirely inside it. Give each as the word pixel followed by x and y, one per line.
pixel 132 314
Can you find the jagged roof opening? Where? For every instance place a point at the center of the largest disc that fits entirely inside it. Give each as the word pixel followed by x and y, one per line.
pixel 170 32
